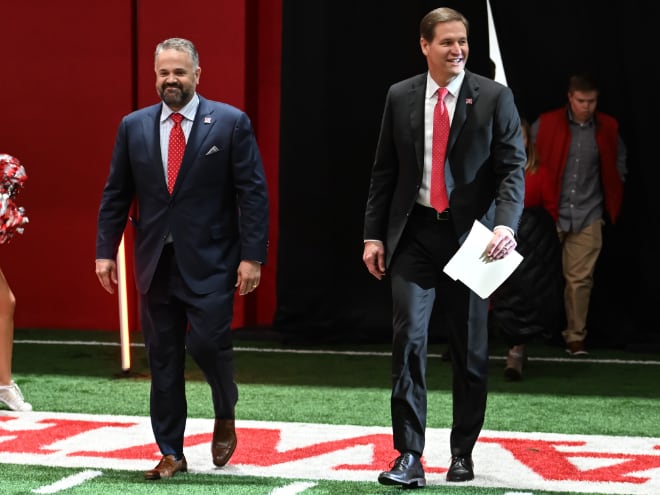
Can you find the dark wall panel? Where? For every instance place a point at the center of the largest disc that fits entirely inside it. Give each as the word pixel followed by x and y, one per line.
pixel 339 58
pixel 542 44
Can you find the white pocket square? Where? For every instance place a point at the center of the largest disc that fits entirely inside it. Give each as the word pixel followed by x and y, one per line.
pixel 214 149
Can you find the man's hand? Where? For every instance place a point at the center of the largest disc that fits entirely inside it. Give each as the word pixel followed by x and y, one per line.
pixel 374 258
pixel 501 244
pixel 249 276
pixel 106 271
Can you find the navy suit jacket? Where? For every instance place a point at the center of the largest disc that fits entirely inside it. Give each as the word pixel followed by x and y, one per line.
pixel 485 159
pixel 217 213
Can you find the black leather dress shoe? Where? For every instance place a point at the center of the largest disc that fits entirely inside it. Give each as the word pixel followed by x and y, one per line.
pixel 407 471
pixel 461 469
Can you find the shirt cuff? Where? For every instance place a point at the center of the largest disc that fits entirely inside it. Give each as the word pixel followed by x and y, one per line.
pixel 513 234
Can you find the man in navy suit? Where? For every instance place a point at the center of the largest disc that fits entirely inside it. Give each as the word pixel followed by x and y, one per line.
pixel 194 246
pixel 411 239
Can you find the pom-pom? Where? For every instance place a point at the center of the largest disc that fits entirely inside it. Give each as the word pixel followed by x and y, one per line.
pixel 12 178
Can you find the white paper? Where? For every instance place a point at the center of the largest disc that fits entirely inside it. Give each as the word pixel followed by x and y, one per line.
pixel 470 266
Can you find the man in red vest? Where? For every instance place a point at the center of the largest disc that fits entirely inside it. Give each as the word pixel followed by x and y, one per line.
pixel 583 160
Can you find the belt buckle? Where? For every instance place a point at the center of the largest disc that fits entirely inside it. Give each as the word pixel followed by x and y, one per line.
pixel 442 215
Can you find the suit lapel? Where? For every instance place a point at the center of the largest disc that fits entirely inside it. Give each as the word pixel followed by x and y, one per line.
pixel 151 133
pixel 202 125
pixel 416 102
pixel 467 97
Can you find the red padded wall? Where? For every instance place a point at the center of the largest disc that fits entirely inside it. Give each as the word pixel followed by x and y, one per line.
pixel 76 67
pixel 67 82
pixel 264 53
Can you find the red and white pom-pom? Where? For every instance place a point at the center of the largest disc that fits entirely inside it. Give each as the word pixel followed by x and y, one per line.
pixel 12 178
pixel 12 175
pixel 12 219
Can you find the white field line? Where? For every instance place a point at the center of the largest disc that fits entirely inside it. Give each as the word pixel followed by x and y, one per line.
pixel 68 482
pixel 347 353
pixel 293 488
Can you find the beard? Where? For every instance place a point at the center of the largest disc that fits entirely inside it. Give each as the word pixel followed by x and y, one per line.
pixel 174 95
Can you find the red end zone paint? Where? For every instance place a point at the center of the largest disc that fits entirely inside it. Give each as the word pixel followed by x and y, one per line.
pixel 542 461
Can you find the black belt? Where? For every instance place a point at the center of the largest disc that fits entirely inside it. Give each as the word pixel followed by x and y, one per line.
pixel 431 213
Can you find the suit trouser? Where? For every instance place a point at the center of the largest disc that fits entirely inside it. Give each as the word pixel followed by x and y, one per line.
pixel 175 319
pixel 417 279
pixel 580 251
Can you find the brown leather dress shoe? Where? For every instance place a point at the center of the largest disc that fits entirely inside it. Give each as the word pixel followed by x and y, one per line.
pixel 576 348
pixel 515 360
pixel 224 441
pixel 166 468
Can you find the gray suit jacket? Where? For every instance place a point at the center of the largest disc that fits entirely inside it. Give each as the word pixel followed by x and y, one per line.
pixel 485 160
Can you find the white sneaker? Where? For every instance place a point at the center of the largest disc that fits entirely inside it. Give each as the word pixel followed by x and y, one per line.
pixel 11 396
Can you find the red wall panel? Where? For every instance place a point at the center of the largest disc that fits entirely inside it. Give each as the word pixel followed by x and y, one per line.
pixel 264 83
pixel 67 82
pixel 239 50
pixel 217 28
pixel 78 67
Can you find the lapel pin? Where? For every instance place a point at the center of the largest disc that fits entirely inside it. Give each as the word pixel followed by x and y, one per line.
pixel 207 120
pixel 468 101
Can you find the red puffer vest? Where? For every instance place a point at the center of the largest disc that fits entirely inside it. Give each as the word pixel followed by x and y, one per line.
pixel 552 143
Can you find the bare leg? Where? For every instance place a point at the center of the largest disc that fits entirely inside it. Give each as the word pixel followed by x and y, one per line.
pixel 7 305
pixel 10 394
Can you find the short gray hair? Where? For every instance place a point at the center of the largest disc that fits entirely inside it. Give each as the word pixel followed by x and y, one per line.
pixel 182 45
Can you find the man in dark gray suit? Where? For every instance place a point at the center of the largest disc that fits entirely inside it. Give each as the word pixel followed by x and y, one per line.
pixel 198 237
pixel 412 234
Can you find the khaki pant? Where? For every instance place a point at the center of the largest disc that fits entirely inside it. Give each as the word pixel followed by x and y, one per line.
pixel 580 252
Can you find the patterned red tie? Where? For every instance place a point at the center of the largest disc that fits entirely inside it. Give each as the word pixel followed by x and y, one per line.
pixel 175 150
pixel 439 199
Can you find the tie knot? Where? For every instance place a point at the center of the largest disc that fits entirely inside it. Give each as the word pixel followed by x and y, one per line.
pixel 442 92
pixel 177 118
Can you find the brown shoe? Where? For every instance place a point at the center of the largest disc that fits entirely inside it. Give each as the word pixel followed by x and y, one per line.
pixel 515 360
pixel 576 348
pixel 166 468
pixel 224 441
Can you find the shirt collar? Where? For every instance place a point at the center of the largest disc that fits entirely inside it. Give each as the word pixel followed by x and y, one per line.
pixel 188 111
pixel 572 120
pixel 453 87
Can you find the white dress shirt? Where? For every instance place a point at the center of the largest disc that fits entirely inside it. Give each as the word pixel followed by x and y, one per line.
pixel 430 100
pixel 166 123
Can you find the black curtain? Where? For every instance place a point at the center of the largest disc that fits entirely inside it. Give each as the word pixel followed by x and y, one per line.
pixel 542 43
pixel 338 60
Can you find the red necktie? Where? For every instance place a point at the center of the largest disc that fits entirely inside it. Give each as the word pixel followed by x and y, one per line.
pixel 175 150
pixel 439 199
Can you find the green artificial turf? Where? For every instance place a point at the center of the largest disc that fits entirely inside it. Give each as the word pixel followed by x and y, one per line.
pixel 612 397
